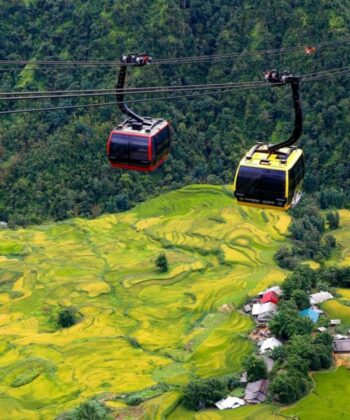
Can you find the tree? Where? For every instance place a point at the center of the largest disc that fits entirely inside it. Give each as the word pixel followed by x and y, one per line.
pixel 203 393
pixel 301 299
pixel 287 387
pixel 162 262
pixel 255 367
pixel 91 410
pixel 285 258
pixel 67 316
pixel 333 220
pixel 287 322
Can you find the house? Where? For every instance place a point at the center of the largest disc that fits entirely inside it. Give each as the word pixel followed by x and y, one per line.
pixel 320 297
pixel 341 346
pixel 264 311
pixel 247 308
pixel 256 392
pixel 322 329
pixel 334 322
pixel 275 289
pixel 269 344
pixel 340 337
pixel 311 314
pixel 229 402
pixel 270 297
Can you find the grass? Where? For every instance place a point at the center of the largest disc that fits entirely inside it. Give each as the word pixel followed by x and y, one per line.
pixel 139 327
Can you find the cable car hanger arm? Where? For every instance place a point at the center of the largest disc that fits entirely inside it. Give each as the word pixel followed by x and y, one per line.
pixel 137 60
pixel 274 78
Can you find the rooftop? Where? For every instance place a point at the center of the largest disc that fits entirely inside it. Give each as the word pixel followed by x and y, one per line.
pixel 229 402
pixel 260 308
pixel 310 313
pixel 320 297
pixel 341 346
pixel 256 392
pixel 270 296
pixel 269 344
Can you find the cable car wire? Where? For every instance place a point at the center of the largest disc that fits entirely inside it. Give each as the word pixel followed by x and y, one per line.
pixel 165 61
pixel 62 94
pixel 95 105
pixel 316 76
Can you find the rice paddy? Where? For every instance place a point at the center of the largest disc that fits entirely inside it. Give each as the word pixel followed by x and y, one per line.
pixel 328 400
pixel 139 327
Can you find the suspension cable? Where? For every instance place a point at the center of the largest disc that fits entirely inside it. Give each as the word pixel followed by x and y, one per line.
pixel 61 94
pixel 164 98
pixel 178 60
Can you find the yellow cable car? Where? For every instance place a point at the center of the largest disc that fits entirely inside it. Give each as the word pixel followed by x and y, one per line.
pixel 272 181
pixel 270 176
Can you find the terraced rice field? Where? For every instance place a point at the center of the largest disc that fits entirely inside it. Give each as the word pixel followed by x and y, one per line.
pixel 329 399
pixel 337 310
pixel 342 236
pixel 139 327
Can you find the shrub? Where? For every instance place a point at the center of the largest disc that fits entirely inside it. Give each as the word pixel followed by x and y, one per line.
pixel 333 220
pixel 67 316
pixel 162 262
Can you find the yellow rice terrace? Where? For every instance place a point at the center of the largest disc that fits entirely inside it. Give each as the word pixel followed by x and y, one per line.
pixel 138 328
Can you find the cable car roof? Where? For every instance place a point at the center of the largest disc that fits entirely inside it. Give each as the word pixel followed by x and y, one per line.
pixel 152 127
pixel 284 158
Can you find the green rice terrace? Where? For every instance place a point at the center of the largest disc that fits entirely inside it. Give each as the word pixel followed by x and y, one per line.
pixel 139 329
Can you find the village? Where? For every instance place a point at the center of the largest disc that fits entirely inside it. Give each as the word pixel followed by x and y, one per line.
pixel 262 309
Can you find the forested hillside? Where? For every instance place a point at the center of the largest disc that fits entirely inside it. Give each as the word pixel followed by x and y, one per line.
pixel 53 165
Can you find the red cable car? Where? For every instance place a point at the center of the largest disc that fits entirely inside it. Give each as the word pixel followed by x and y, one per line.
pixel 140 148
pixel 139 143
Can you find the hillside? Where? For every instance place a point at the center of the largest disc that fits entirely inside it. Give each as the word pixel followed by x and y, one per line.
pixel 53 165
pixel 140 328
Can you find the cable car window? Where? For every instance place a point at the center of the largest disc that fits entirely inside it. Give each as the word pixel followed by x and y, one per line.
pixel 261 183
pixel 273 184
pixel 138 149
pixel 248 181
pixel 119 147
pixel 162 140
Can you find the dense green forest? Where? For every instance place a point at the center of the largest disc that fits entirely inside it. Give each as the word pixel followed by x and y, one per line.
pixel 53 165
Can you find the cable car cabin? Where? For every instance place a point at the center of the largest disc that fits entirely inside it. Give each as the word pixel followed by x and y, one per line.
pixel 270 180
pixel 139 146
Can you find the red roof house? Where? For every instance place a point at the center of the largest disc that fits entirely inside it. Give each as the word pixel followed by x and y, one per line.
pixel 269 297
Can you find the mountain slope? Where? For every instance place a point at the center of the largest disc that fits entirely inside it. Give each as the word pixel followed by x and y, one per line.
pixel 139 327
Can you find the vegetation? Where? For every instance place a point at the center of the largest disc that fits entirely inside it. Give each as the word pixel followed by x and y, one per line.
pixel 162 262
pixel 309 240
pixel 200 394
pixel 91 410
pixel 67 317
pixel 255 368
pixel 287 322
pixel 333 220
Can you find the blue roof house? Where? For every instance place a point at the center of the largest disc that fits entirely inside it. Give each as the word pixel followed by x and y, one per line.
pixel 310 313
